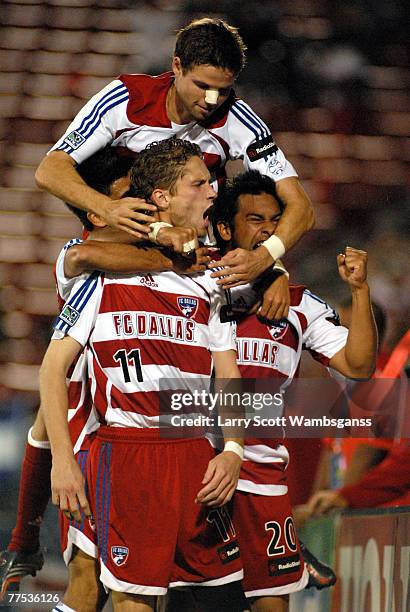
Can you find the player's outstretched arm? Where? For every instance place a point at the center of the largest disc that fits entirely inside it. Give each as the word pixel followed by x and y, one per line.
pixel 127 259
pixel 57 174
pixel 325 501
pixel 67 482
pixel 113 257
pixel 358 357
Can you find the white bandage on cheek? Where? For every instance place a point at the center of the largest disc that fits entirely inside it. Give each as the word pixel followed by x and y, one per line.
pixel 234 447
pixel 211 96
pixel 275 247
pixel 155 227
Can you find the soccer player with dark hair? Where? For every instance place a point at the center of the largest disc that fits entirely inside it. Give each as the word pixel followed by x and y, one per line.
pixel 245 213
pixel 196 102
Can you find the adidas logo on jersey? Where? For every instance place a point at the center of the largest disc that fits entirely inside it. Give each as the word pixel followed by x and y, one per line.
pixel 148 281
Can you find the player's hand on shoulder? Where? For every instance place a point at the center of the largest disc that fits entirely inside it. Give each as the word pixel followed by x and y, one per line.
pixel 68 489
pixel 178 239
pixel 352 266
pixel 275 300
pixel 220 479
pixel 193 264
pixel 241 266
pixel 132 215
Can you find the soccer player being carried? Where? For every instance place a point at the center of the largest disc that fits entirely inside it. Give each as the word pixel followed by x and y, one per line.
pixel 247 212
pixel 149 497
pixel 195 101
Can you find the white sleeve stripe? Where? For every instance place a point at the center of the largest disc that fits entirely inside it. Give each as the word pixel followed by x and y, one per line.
pixel 111 95
pixel 71 243
pixel 244 122
pixel 251 114
pixel 76 303
pixel 66 148
pixel 89 128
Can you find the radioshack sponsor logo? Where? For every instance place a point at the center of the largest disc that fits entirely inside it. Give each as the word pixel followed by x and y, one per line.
pixel 69 315
pixel 119 554
pixel 148 281
pixel 261 148
pixel 284 565
pixel 229 552
pixel 75 140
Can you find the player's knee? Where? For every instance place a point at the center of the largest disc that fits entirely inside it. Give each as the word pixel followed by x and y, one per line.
pixel 270 604
pixel 127 602
pixel 84 592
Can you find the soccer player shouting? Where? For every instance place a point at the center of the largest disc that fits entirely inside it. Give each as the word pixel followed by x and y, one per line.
pixel 196 102
pixel 131 470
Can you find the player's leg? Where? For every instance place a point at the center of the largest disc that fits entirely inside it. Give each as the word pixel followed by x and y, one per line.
pixel 208 556
pixel 85 591
pixel 321 576
pixel 34 489
pixel 270 604
pixel 136 550
pixel 22 556
pixel 126 602
pixel 228 597
pixel 270 551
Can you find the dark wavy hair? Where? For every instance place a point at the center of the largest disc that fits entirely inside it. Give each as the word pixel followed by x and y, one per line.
pixel 99 171
pixel 210 41
pixel 226 205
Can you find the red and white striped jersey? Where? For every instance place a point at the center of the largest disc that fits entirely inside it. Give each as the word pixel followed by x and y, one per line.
pixel 130 112
pixel 274 351
pixel 64 284
pixel 141 332
pixel 82 417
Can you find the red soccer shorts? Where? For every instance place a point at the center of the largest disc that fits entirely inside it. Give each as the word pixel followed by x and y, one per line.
pixel 150 532
pixel 270 553
pixel 80 534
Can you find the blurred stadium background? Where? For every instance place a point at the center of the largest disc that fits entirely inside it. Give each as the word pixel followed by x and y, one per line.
pixel 331 80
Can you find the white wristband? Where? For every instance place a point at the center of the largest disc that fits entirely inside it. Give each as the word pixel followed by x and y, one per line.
pixel 275 247
pixel 189 246
pixel 155 227
pixel 234 447
pixel 44 444
pixel 279 267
